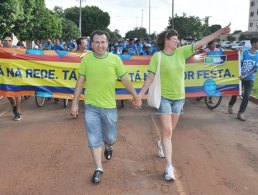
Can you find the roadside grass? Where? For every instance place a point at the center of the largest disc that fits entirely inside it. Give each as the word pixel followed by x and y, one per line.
pixel 255 87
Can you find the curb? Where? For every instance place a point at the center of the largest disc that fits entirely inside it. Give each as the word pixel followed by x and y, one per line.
pixel 253 99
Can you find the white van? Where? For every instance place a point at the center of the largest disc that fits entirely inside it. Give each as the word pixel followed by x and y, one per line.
pixel 245 44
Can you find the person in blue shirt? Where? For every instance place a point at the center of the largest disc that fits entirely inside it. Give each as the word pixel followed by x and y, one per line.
pixel 139 46
pixel 154 47
pixel 71 46
pixel 131 47
pixel 49 45
pixel 115 49
pixel 58 45
pixel 249 66
pixel 147 50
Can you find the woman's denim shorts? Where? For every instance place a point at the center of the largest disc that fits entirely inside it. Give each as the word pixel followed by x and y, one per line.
pixel 101 125
pixel 171 106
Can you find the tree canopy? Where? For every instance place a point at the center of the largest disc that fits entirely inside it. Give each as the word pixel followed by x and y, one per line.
pixel 138 32
pixel 10 12
pixel 192 27
pixel 93 18
pixel 69 30
pixel 29 19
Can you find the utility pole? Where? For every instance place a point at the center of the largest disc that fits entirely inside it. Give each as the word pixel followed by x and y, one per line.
pixel 80 17
pixel 142 18
pixel 172 14
pixel 80 20
pixel 149 17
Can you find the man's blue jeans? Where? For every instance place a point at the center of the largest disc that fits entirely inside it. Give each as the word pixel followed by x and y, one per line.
pixel 101 125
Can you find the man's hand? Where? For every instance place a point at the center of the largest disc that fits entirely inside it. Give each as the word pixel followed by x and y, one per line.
pixel 74 110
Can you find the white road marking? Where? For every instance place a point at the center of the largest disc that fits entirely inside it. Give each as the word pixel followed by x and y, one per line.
pixel 2 113
pixel 179 186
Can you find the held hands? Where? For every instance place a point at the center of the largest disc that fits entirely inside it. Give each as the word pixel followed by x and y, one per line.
pixel 137 102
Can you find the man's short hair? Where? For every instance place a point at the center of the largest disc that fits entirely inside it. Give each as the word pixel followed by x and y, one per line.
pixel 98 32
pixel 79 40
pixel 253 40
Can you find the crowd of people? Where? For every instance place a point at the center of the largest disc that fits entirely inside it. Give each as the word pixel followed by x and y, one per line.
pixel 132 46
pixel 101 68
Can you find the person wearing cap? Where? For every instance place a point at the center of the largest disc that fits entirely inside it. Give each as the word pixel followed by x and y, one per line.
pixel 147 50
pixel 15 101
pixel 116 49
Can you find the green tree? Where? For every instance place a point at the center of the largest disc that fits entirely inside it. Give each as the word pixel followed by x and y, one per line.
pixel 114 34
pixel 10 12
pixel 236 31
pixel 138 32
pixel 117 33
pixel 46 25
pixel 192 27
pixel 59 11
pixel 205 29
pixel 29 19
pixel 187 27
pixel 24 26
pixel 231 38
pixel 70 30
pixel 153 36
pixel 215 27
pixel 243 37
pixel 93 18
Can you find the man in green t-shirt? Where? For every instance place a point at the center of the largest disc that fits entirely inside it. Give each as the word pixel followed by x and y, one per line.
pixel 100 69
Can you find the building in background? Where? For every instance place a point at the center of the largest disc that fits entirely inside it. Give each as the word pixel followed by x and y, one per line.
pixel 253 16
pixel 252 24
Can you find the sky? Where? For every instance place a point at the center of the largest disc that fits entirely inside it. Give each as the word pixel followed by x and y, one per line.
pixel 125 15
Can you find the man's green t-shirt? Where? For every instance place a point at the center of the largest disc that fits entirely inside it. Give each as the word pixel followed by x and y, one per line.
pixel 172 68
pixel 101 75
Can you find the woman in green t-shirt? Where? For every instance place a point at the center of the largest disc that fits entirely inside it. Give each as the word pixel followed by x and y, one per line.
pixel 172 68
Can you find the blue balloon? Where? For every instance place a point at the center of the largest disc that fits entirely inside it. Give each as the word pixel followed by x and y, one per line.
pixel 35 52
pixel 210 88
pixel 43 94
pixel 125 56
pixel 61 52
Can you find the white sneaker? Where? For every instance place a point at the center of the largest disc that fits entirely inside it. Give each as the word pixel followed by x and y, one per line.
pixel 169 173
pixel 160 152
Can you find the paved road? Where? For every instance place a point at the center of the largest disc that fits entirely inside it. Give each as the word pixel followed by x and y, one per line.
pixel 46 152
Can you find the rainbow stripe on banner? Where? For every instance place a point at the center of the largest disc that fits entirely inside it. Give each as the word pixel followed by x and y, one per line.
pixel 54 73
